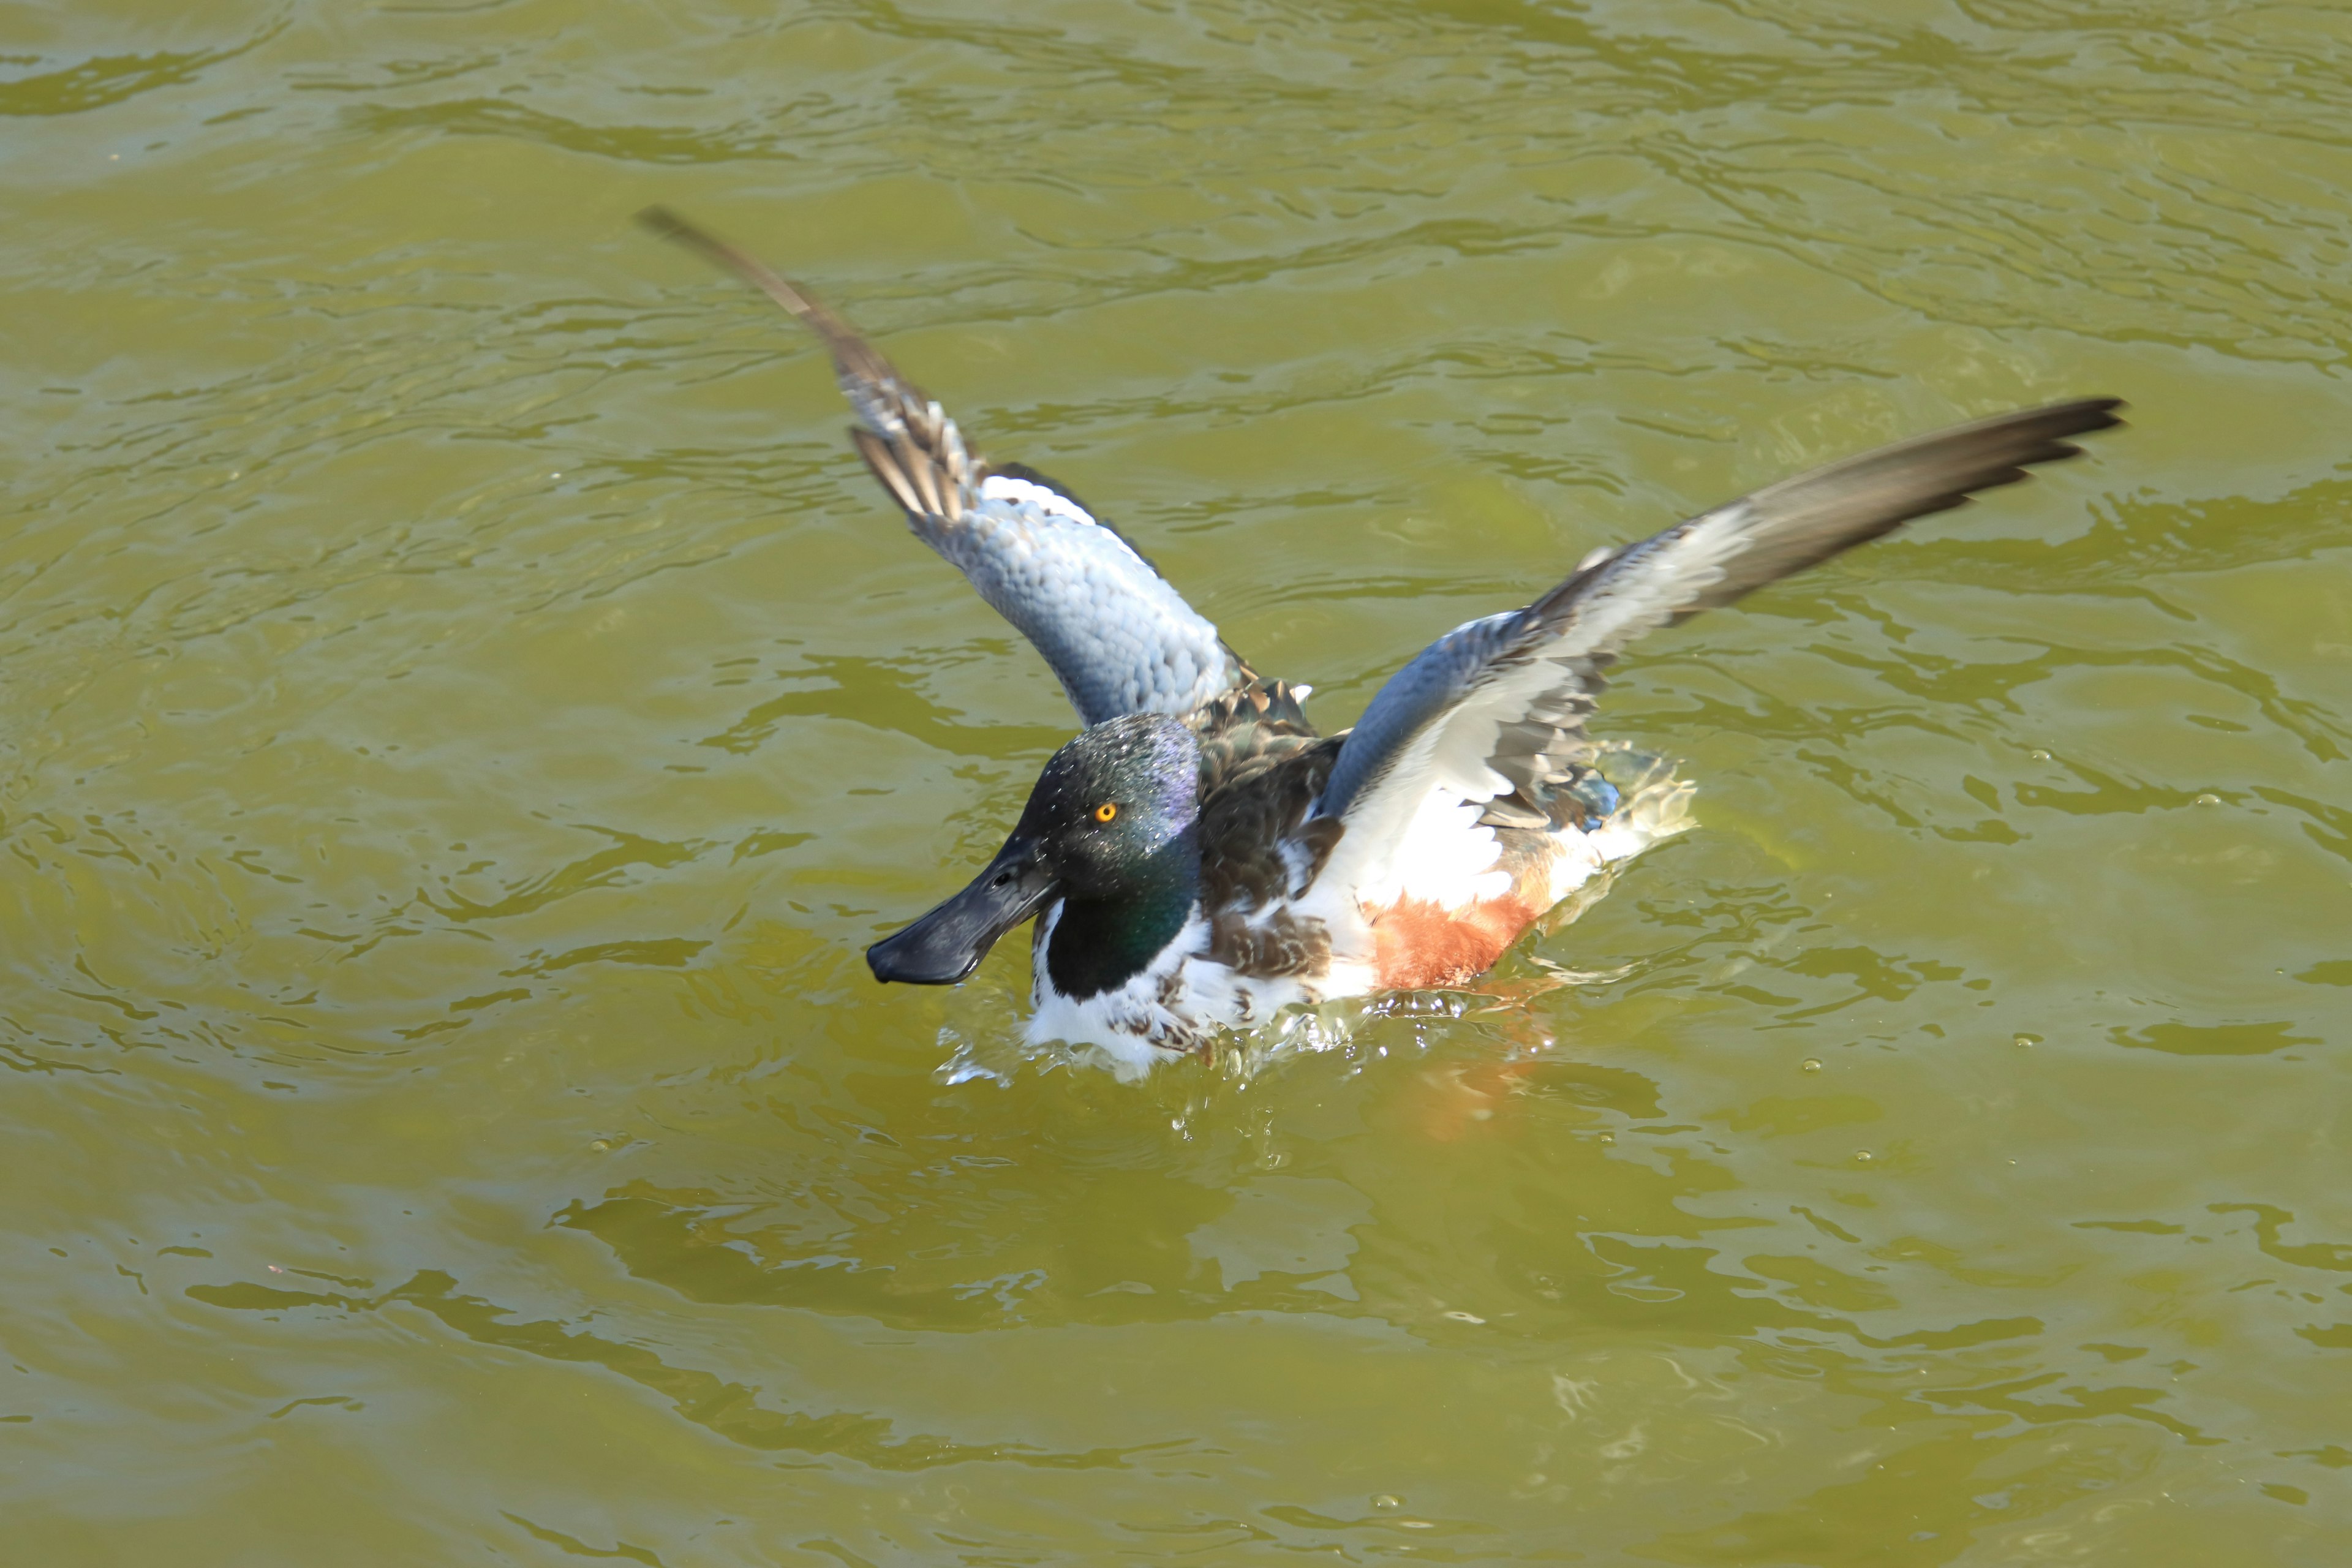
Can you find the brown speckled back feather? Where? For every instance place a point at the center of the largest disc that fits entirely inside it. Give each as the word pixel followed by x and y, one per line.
pixel 1262 765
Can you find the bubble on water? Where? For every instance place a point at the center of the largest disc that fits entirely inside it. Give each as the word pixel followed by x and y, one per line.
pixel 1861 1156
pixel 2027 1042
pixel 2209 800
pixel 2039 755
pixel 1386 1500
pixel 1813 1064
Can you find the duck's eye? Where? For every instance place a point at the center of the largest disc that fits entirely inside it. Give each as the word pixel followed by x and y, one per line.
pixel 1104 812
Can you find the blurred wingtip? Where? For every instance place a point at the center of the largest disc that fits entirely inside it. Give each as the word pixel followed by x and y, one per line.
pixel 665 223
pixel 660 220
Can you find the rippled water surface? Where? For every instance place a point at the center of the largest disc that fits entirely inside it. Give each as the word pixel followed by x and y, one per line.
pixel 462 711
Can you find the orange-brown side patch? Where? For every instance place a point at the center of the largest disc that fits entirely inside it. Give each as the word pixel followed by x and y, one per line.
pixel 1421 943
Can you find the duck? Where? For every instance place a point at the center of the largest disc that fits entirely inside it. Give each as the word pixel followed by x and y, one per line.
pixel 1200 860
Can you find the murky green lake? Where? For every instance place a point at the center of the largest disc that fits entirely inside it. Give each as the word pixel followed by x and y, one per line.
pixel 463 709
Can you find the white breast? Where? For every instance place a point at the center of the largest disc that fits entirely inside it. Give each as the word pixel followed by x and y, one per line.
pixel 1174 1006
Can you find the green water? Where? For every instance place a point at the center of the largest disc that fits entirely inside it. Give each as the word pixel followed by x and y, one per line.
pixel 462 711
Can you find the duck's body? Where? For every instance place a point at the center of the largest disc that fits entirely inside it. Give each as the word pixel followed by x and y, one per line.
pixel 1271 925
pixel 1200 858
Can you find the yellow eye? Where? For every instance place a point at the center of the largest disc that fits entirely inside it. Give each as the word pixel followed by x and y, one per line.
pixel 1104 812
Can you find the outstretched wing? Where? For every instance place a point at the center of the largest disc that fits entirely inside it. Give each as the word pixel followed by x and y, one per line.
pixel 1119 638
pixel 1494 712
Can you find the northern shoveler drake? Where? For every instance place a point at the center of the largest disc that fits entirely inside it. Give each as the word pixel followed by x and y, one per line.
pixel 1199 857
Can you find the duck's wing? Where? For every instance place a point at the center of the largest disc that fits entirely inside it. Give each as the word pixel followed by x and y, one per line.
pixel 1493 713
pixel 1119 638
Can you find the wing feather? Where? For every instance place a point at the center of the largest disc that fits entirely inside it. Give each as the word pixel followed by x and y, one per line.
pixel 1495 709
pixel 1117 636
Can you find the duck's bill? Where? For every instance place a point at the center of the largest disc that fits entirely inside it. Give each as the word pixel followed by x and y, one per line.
pixel 947 945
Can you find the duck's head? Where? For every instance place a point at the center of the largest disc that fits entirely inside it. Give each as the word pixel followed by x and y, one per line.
pixel 1113 818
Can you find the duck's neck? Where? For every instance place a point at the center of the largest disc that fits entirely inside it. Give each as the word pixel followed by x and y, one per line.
pixel 1100 945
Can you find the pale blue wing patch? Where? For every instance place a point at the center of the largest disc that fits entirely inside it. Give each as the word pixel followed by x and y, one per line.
pixel 1119 638
pixel 1496 707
